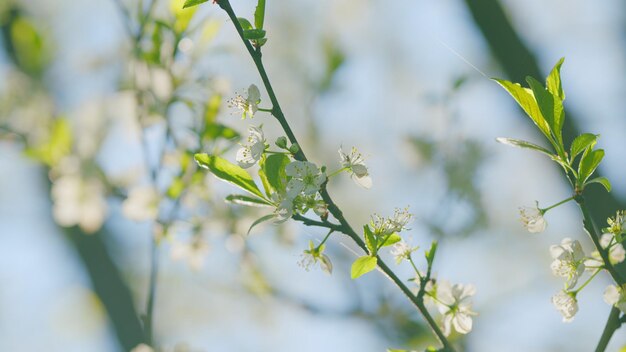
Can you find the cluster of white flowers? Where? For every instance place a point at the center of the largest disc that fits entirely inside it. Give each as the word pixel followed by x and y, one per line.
pixel 248 105
pixel 355 164
pixel 532 218
pixel 616 296
pixel 569 261
pixel 385 226
pixel 250 153
pixel 77 200
pixel 454 303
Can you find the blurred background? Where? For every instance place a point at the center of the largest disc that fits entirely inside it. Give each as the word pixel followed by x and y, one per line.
pixel 101 107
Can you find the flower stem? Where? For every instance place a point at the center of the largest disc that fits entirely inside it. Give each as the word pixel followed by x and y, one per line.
pixel 344 226
pixel 588 281
pixel 544 210
pixel 265 110
pixel 337 172
pixel 325 238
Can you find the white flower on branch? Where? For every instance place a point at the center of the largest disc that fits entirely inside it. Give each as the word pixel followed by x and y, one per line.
pixel 305 178
pixel 455 305
pixel 532 218
pixel 248 105
pixel 355 164
pixel 616 296
pixel 396 223
pixel 250 153
pixel 284 207
pixel 402 251
pixel 566 303
pixel 314 255
pixel 569 261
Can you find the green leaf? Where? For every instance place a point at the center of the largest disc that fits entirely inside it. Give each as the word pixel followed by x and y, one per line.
pixel 430 254
pixel 274 168
pixel 212 108
pixel 247 201
pixel 588 163
pixel 551 108
pixel 603 181
pixel 253 34
pixel 392 239
pixel 524 97
pixel 581 143
pixel 266 184
pixel 523 144
pixel 259 14
pixel 58 145
pixel 190 3
pixel 214 131
pixel 245 24
pixel 176 188
pixel 363 265
pixel 370 240
pixel 553 82
pixel 228 172
pixel 260 220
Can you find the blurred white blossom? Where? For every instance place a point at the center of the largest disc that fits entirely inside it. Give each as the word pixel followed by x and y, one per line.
pixel 616 296
pixel 193 252
pixel 402 251
pixel 142 204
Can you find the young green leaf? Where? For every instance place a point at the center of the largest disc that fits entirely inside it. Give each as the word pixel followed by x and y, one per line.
pixel 603 181
pixel 190 3
pixel 253 34
pixel 370 240
pixel 245 24
pixel 363 265
pixel 523 144
pixel 391 240
pixel 553 82
pixel 551 108
pixel 247 201
pixel 588 163
pixel 581 143
pixel 524 97
pixel 266 185
pixel 259 14
pixel 430 254
pixel 260 220
pixel 274 168
pixel 226 171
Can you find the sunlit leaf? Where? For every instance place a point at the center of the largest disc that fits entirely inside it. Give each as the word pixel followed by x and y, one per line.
pixel 190 3
pixel 260 220
pixel 370 240
pixel 247 201
pixel 524 97
pixel 553 82
pixel 392 239
pixel 231 173
pixel 551 108
pixel 523 144
pixel 603 181
pixel 274 168
pixel 588 163
pixel 581 143
pixel 363 265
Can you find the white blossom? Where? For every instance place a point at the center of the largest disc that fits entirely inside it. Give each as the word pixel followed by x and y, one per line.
pixel 250 153
pixel 566 303
pixel 402 250
pixel 248 105
pixel 142 204
pixel 617 254
pixel 305 178
pixel 284 207
pixel 355 164
pixel 616 296
pixel 314 255
pixel 79 201
pixel 193 252
pixel 569 261
pixel 142 348
pixel 533 219
pixel 455 305
pixel 396 223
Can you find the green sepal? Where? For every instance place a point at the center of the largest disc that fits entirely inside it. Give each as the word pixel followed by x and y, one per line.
pixel 363 265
